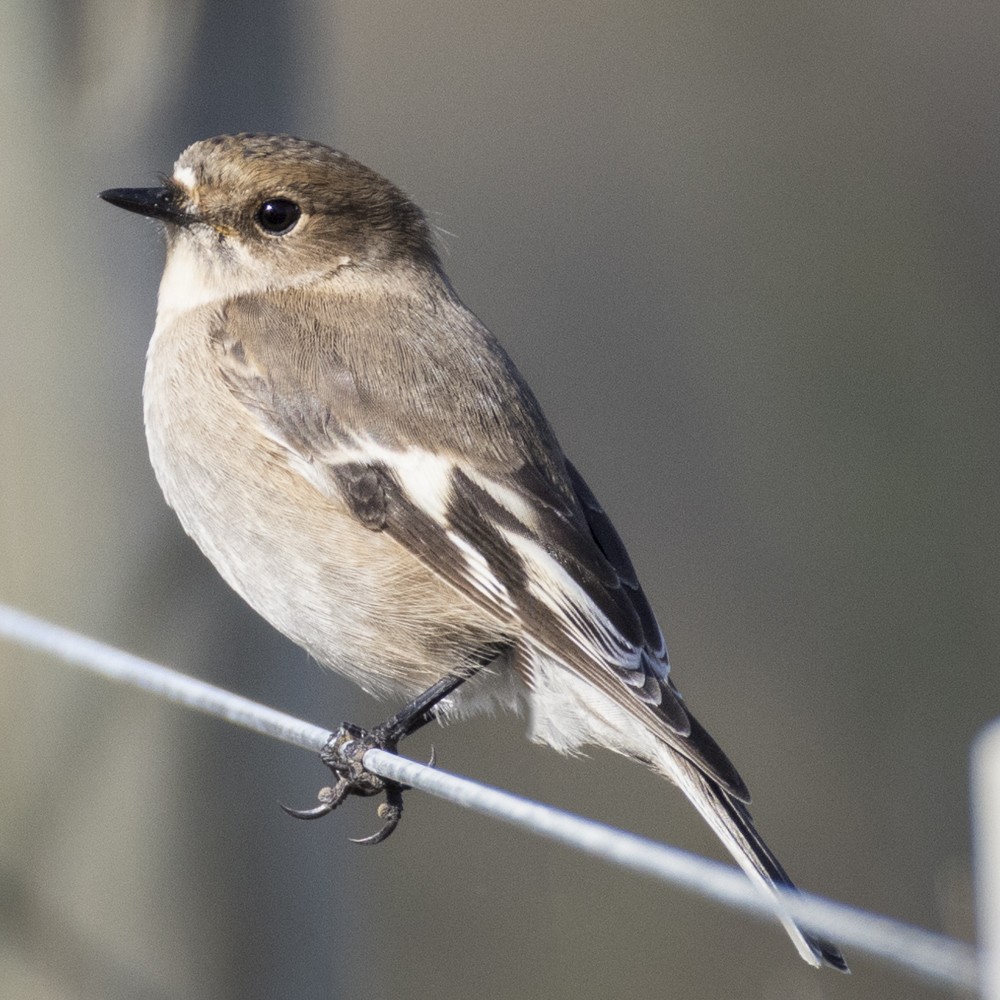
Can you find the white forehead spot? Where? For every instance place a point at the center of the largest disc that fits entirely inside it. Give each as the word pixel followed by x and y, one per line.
pixel 185 177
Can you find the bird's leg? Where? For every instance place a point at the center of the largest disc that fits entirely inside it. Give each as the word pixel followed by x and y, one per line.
pixel 345 751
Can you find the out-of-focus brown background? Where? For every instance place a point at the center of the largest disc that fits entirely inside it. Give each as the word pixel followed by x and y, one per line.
pixel 747 256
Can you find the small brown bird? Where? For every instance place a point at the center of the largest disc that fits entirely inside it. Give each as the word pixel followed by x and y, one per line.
pixel 363 463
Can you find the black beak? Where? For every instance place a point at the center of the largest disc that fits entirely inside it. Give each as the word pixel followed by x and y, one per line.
pixel 157 203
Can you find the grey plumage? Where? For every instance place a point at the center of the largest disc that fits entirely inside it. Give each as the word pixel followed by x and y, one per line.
pixel 366 466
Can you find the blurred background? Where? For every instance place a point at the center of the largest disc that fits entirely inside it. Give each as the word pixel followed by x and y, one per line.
pixel 747 257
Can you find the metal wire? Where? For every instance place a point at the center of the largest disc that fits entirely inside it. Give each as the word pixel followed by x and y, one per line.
pixel 923 953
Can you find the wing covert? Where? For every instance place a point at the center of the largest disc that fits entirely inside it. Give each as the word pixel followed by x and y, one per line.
pixel 500 515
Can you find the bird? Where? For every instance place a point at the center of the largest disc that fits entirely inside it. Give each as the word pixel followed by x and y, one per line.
pixel 363 462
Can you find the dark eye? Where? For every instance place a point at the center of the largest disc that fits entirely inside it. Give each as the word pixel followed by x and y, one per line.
pixel 278 216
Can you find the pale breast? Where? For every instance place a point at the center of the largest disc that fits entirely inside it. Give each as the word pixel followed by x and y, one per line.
pixel 352 597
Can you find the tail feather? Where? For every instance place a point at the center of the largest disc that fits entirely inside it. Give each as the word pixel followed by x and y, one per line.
pixel 568 711
pixel 734 826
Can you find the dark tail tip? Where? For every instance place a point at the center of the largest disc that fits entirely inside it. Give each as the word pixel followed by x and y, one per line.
pixel 828 953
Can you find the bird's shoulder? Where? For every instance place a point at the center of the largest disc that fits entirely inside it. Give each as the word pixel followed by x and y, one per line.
pixel 404 363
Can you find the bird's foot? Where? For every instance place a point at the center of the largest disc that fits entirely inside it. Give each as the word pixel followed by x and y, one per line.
pixel 345 752
pixel 344 755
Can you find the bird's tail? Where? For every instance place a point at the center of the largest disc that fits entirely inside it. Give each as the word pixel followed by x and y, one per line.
pixel 732 823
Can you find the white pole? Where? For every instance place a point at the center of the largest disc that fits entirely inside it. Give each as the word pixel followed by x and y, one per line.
pixel 986 847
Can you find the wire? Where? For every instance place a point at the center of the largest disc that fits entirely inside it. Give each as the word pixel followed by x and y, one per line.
pixel 924 953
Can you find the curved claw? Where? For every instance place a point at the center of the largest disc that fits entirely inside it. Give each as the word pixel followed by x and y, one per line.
pixel 329 799
pixel 315 813
pixel 392 812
